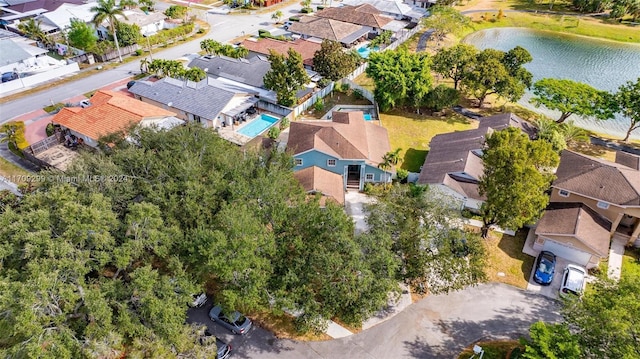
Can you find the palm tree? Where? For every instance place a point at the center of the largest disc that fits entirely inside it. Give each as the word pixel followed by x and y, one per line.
pixel 108 10
pixel 144 65
pixel 277 16
pixel 32 29
pixel 573 133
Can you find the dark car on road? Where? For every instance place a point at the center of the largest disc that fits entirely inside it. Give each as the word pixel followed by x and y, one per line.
pixel 236 322
pixel 545 268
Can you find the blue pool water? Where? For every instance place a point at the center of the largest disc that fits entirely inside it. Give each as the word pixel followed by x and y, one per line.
pixel 364 51
pixel 367 117
pixel 258 126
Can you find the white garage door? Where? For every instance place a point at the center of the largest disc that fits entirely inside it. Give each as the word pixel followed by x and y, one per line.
pixel 570 253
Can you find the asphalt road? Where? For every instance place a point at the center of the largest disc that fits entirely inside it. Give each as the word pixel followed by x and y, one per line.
pixel 223 28
pixel 435 327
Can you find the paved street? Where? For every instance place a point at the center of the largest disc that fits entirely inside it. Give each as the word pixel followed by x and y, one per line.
pixel 435 327
pixel 223 28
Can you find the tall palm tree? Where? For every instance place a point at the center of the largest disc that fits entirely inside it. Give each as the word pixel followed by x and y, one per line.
pixel 32 29
pixel 108 10
pixel 144 65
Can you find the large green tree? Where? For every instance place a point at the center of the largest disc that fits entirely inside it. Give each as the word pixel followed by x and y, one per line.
pixel 495 72
pixel 128 34
pixel 517 173
pixel 332 62
pixel 445 20
pixel 455 62
pixel 571 97
pixel 81 35
pixel 551 341
pixel 605 320
pixel 107 10
pixel 106 267
pixel 401 77
pixel 423 229
pixel 286 77
pixel 628 100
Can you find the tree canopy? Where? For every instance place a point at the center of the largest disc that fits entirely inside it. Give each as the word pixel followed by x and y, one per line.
pixel 445 20
pixel 455 62
pixel 571 97
pixel 98 268
pixel 551 341
pixel 401 77
pixel 605 319
pixel 332 62
pixel 628 100
pixel 81 35
pixel 500 73
pixel 419 239
pixel 286 77
pixel 516 176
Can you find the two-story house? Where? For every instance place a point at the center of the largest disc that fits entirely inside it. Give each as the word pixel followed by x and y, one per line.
pixel 347 145
pixel 592 200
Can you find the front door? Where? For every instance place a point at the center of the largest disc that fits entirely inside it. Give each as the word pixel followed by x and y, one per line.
pixel 353 176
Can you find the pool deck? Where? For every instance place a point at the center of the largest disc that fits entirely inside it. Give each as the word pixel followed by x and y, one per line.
pixel 367 109
pixel 231 134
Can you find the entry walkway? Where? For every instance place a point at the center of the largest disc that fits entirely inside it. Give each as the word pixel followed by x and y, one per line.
pixel 615 257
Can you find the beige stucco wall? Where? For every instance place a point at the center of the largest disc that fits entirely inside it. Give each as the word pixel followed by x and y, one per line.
pixel 611 213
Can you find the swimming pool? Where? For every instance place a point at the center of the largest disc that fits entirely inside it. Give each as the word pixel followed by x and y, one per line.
pixel 367 117
pixel 365 50
pixel 258 126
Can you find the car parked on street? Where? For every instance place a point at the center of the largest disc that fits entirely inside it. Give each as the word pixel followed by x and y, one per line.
pixel 573 280
pixel 545 268
pixel 236 322
pixel 223 349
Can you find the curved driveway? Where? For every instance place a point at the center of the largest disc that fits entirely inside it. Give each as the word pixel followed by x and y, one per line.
pixel 436 327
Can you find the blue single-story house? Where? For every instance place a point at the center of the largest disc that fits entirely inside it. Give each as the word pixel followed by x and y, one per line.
pixel 347 145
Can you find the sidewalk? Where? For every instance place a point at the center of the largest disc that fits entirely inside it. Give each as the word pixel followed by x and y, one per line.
pixel 615 257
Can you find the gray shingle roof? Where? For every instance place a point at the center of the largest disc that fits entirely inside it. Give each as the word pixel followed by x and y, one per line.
pixel 247 71
pixel 198 98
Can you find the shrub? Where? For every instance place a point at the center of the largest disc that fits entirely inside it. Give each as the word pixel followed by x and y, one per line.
pixel 200 31
pixel 50 129
pixel 263 33
pixel 319 105
pixel 306 10
pixel 139 52
pixel 402 174
pixel 294 18
pixel 320 7
pixel 273 133
pixel 344 87
pixel 373 189
pixel 284 123
pixel 176 11
pixel 357 93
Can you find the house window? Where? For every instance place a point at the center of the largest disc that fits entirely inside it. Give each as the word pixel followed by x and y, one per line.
pixel 563 193
pixel 368 177
pixel 298 161
pixel 603 205
pixel 331 163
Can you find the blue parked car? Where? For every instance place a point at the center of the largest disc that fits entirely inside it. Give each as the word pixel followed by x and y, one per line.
pixel 545 268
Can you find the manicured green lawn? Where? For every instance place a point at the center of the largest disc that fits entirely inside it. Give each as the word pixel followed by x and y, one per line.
pixel 12 172
pixel 568 24
pixel 505 256
pixel 412 133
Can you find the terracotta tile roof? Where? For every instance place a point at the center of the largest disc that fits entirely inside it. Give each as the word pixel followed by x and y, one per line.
pixel 329 29
pixel 315 179
pixel 305 48
pixel 109 112
pixel 347 136
pixel 365 15
pixel 579 221
pixel 606 181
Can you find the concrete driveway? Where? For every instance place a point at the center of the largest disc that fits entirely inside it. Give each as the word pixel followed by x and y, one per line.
pixel 436 327
pixel 552 290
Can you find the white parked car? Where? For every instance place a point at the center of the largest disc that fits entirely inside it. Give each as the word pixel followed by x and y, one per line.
pixel 573 280
pixel 199 300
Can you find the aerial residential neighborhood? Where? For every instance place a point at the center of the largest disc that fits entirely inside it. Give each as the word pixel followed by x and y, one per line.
pixel 319 179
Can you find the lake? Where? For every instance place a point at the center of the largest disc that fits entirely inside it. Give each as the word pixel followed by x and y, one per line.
pixel 602 64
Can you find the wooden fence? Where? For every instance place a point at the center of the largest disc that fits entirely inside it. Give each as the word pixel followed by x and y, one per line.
pixel 124 50
pixel 43 145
